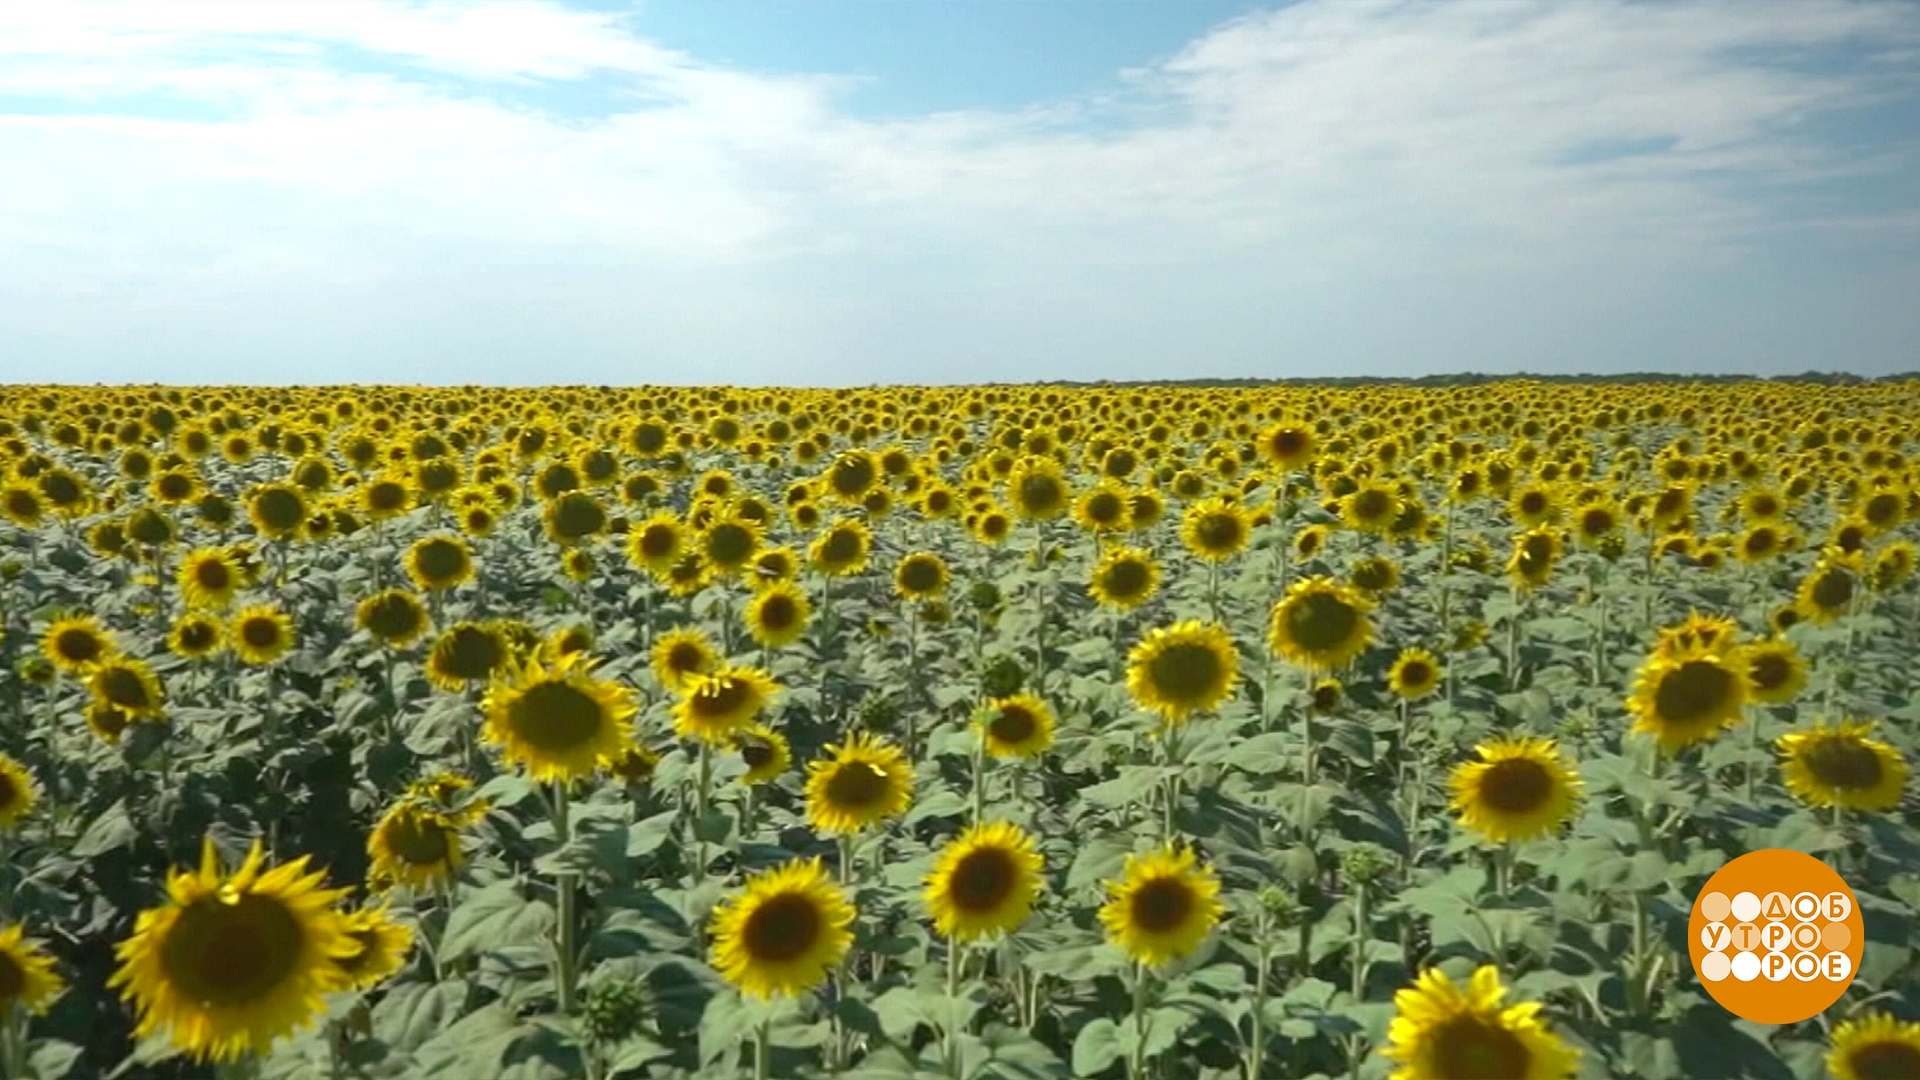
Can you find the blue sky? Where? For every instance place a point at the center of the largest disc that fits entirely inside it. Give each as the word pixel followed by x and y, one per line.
pixel 836 192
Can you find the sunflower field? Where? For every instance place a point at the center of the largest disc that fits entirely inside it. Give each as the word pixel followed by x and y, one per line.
pixel 969 732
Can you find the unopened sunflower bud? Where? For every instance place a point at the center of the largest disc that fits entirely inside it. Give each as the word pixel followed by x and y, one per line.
pixel 1364 864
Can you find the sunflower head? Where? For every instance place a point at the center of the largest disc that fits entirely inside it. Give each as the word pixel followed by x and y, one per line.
pixel 1036 489
pixel 1841 764
pixel 1519 789
pixel 381 947
pixel 1320 624
pixel 1828 592
pixel 862 782
pixel 27 976
pixel 1415 674
pixel 716 705
pixel 18 792
pixel 1442 1030
pixel 1124 578
pixel 555 719
pixel 1163 906
pixel 414 843
pixel 1776 672
pixel 393 616
pixel 1176 671
pixel 76 642
pixel 921 575
pixel 262 634
pixel 778 614
pixel 1214 529
pixel 1874 1046
pixel 466 653
pixel 784 932
pixel 984 882
pixel 128 685
pixel 1020 726
pixel 195 636
pixel 680 654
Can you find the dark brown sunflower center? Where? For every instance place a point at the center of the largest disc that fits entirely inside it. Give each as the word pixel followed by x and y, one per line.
pixel 1833 589
pixel 469 653
pixel 1696 691
pixel 1039 492
pixel 1160 906
pixel 1516 786
pixel 1105 508
pixel 418 840
pixel 13 979
pixel 1013 724
pixel 1533 503
pixel 1125 579
pixel 195 636
pixel 1219 532
pixel 9 794
pixel 440 560
pixel 280 509
pixel 722 696
pixel 394 615
pixel 777 612
pixel 852 476
pixel 1886 1060
pixel 658 541
pixel 858 784
pixel 782 927
pixel 555 716
pixel 575 516
pixel 1761 541
pixel 1536 552
pixel 386 495
pixel 729 543
pixel 756 753
pixel 232 950
pixel 1843 763
pixel 1372 505
pixel 1373 575
pixel 1470 1048
pixel 1416 673
pixel 123 687
pixel 842 546
pixel 1882 509
pixel 1184 672
pixel 79 645
pixel 1321 622
pixel 994 525
pixel 1596 522
pixel 1770 670
pixel 920 575
pixel 1326 698
pixel 260 633
pixel 1287 443
pixel 174 487
pixel 983 880
pixel 686 657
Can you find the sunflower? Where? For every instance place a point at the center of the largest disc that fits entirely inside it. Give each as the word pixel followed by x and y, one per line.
pixel 1688 695
pixel 772 566
pixel 194 636
pixel 984 882
pixel 1371 507
pixel 1761 542
pixel 232 963
pixel 1036 489
pixel 439 562
pixel 1697 630
pixel 106 722
pixel 1874 1047
pixel 1287 445
pixel 715 705
pixel 394 616
pixel 777 615
pixel 261 634
pixel 577 563
pixel 864 781
pixel 209 578
pixel 1893 565
pixel 921 575
pixel 277 510
pixel 1415 674
pixel 18 792
pixel 1839 765
pixel 1181 669
pixel 1124 578
pixel 1320 624
pixel 842 549
pixel 27 977
pixel 682 653
pixel 765 753
pixel 1327 696
pixel 1214 529
pixel 635 763
pixel 1440 1032
pixel 1775 671
pixel 1534 553
pixel 685 579
pixel 1308 542
pixel 1163 906
pixel 382 944
pixel 1518 790
pixel 783 934
pixel 556 719
pixel 1375 575
pixel 1102 508
pixel 76 642
pixel 1828 591
pixel 128 685
pixel 1020 726
pixel 466 653
pixel 1534 505
pixel 414 844
pixel 572 517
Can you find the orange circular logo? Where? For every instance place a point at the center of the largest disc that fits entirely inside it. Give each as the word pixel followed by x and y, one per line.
pixel 1775 936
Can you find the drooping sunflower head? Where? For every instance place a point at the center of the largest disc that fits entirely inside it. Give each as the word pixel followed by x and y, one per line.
pixel 27 976
pixel 18 792
pixel 233 962
pixel 1841 764
pixel 1020 726
pixel 466 653
pixel 381 946
pixel 1441 1031
pixel 437 563
pixel 76 642
pixel 1415 674
pixel 1688 695
pixel 921 575
pixel 555 719
pixel 262 634
pixel 681 653
pixel 716 705
pixel 393 616
pixel 782 934
pixel 1176 671
pixel 984 881
pixel 1163 906
pixel 1874 1047
pixel 128 685
pixel 862 782
pixel 1320 624
pixel 1519 789
pixel 1775 671
pixel 1214 529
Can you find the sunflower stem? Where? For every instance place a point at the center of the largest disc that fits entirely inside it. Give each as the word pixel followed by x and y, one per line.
pixel 1137 1061
pixel 763 1049
pixel 563 945
pixel 1362 936
pixel 951 1037
pixel 1257 1042
pixel 703 792
pixel 1040 608
pixel 979 778
pixel 13 1030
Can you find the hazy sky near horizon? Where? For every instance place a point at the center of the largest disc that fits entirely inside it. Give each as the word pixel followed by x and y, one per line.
pixel 838 193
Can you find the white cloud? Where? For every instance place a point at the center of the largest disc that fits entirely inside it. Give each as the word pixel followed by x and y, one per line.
pixel 210 164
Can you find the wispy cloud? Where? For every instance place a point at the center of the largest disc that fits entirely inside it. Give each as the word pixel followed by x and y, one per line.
pixel 231 167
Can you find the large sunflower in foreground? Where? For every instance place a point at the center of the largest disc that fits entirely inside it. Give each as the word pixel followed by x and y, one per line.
pixel 863 781
pixel 555 719
pixel 27 977
pixel 1688 695
pixel 783 934
pixel 1874 1047
pixel 1518 790
pixel 1443 1032
pixel 232 962
pixel 714 706
pixel 18 792
pixel 1320 624
pixel 1841 765
pixel 1181 669
pixel 984 881
pixel 1163 906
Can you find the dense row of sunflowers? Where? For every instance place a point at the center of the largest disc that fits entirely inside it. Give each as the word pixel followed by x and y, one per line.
pixel 973 732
